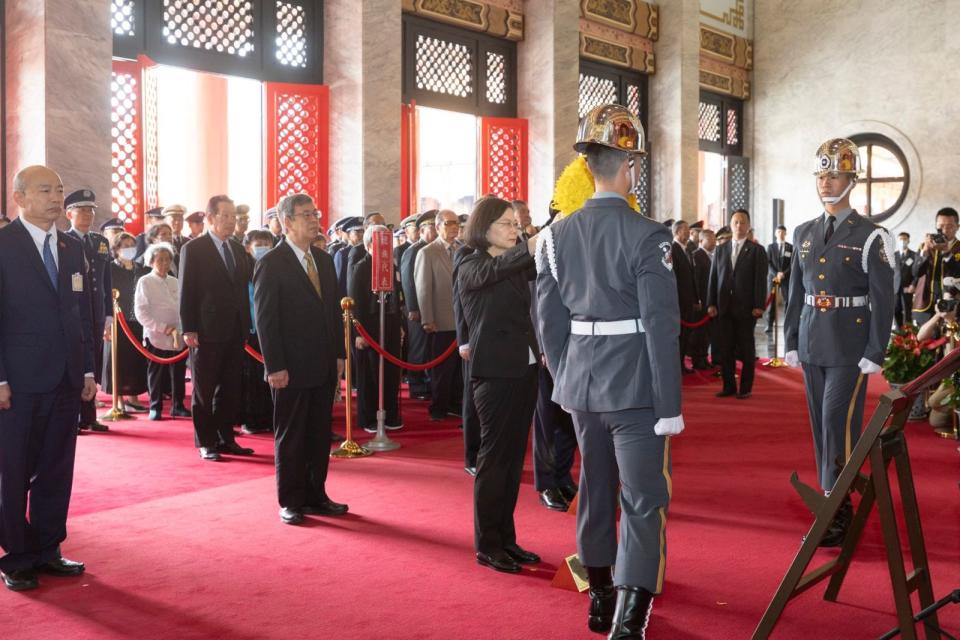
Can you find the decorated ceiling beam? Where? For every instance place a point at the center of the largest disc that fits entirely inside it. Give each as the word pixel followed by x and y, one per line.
pixel 724 78
pixel 500 18
pixel 619 32
pixel 726 48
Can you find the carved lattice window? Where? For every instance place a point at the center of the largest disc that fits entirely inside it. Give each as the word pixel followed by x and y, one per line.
pixel 595 91
pixel 709 127
pixel 721 124
pixel 291 45
pixel 443 67
pixel 606 84
pixel 733 127
pixel 224 26
pixel 496 78
pixel 125 131
pixel 122 20
pixel 504 166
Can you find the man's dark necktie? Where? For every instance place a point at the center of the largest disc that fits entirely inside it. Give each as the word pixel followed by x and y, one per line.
pixel 49 262
pixel 228 257
pixel 826 236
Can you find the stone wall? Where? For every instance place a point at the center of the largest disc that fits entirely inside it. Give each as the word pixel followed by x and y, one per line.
pixel 824 68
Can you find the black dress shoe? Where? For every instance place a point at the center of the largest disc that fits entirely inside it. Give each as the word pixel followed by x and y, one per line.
pixel 98 427
pixel 521 555
pixel 62 567
pixel 437 417
pixel 20 580
pixel 235 449
pixel 702 364
pixel 154 415
pixel 631 614
pixel 471 471
pixel 180 412
pixel 326 508
pixel 554 500
pixel 250 430
pixel 499 561
pixel 209 454
pixel 726 393
pixel 370 428
pixel 603 599
pixel 290 516
pixel 744 396
pixel 133 406
pixel 569 492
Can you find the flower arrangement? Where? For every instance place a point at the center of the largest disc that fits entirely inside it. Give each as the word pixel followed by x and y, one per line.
pixel 908 357
pixel 575 186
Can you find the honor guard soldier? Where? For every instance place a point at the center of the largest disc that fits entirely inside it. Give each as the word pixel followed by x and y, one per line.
pixel 80 207
pixel 838 316
pixel 610 323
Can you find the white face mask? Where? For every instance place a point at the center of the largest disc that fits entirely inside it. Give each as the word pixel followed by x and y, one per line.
pixel 259 252
pixel 128 253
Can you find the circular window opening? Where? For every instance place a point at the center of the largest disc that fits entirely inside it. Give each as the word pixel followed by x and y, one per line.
pixel 885 179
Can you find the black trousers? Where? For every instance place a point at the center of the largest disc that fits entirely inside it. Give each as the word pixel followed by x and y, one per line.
pixel 38 442
pixel 417 350
pixel 256 408
pixel 165 376
pixel 301 419
pixel 368 380
pixel 88 408
pixel 471 422
pixel 903 310
pixel 784 293
pixel 554 439
pixel 446 382
pixel 736 341
pixel 505 407
pixel 216 390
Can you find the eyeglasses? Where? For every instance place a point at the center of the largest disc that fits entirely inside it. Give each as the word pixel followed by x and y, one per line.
pixel 314 215
pixel 508 224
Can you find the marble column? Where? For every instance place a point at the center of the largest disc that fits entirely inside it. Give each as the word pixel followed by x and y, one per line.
pixel 363 68
pixel 58 65
pixel 673 104
pixel 548 88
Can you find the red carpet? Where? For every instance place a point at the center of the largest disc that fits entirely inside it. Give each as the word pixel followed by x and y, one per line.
pixel 179 548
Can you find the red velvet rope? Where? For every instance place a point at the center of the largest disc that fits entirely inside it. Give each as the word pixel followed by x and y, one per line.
pixel 397 361
pixel 253 353
pixel 705 319
pixel 146 354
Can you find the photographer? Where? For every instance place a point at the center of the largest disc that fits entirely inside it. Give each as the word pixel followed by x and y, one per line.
pixel 943 323
pixel 939 259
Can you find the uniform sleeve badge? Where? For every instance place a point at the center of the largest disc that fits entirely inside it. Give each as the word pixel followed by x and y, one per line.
pixel 667 259
pixel 102 250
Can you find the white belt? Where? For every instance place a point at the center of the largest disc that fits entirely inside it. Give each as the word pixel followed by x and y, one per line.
pixel 832 302
pixel 614 328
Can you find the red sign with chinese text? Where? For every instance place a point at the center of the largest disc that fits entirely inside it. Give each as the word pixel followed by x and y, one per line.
pixel 381 252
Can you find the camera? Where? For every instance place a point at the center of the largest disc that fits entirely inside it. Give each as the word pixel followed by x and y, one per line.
pixel 938 238
pixel 946 306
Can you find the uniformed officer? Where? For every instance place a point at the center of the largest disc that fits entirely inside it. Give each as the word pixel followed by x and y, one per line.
pixel 353 227
pixel 111 229
pixel 81 207
pixel 408 230
pixel 609 323
pixel 271 220
pixel 339 238
pixel 838 315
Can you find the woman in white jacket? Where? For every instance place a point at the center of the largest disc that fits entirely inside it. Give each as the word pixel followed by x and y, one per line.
pixel 156 306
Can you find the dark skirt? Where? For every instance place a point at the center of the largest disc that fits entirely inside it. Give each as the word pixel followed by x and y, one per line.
pixel 131 366
pixel 256 410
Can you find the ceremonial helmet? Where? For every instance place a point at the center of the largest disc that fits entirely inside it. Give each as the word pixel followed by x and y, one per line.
pixel 611 125
pixel 838 155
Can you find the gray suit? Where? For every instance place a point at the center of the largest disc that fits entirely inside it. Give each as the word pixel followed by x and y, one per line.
pixel 607 263
pixel 830 341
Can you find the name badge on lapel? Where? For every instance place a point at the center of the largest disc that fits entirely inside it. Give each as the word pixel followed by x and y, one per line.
pixel 786 254
pixel 77 280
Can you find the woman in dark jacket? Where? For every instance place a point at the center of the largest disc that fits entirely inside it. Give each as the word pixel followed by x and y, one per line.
pixel 131 366
pixel 495 294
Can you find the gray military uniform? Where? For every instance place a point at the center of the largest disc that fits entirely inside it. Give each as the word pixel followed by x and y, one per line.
pixel 608 263
pixel 855 265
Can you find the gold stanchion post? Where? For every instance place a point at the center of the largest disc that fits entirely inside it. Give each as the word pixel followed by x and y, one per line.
pixel 775 361
pixel 117 412
pixel 348 448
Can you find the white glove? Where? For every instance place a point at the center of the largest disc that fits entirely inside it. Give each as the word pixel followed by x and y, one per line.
pixel 668 426
pixel 867 367
pixel 792 358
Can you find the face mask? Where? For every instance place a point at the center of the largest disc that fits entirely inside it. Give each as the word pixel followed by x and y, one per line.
pixel 128 253
pixel 259 252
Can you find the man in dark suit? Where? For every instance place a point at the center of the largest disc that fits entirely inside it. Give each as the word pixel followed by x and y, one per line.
pixel 427 229
pixel 357 252
pixel 353 227
pixel 215 317
pixel 301 333
pixel 408 227
pixel 693 243
pixel 735 297
pixel 686 286
pixel 703 337
pixel 46 370
pixel 471 421
pixel 81 207
pixel 779 256
pixel 366 309
pixel 906 257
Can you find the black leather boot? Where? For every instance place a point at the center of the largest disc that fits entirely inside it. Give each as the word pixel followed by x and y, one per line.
pixel 837 531
pixel 602 599
pixel 632 613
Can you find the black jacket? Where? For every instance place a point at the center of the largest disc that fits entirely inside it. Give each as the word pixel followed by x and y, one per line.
pixel 686 284
pixel 366 303
pixel 701 274
pixel 299 331
pixel 463 332
pixel 407 263
pixel 738 291
pixel 496 304
pixel 777 262
pixel 214 304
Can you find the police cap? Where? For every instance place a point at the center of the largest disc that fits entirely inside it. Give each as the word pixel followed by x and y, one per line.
pixel 80 198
